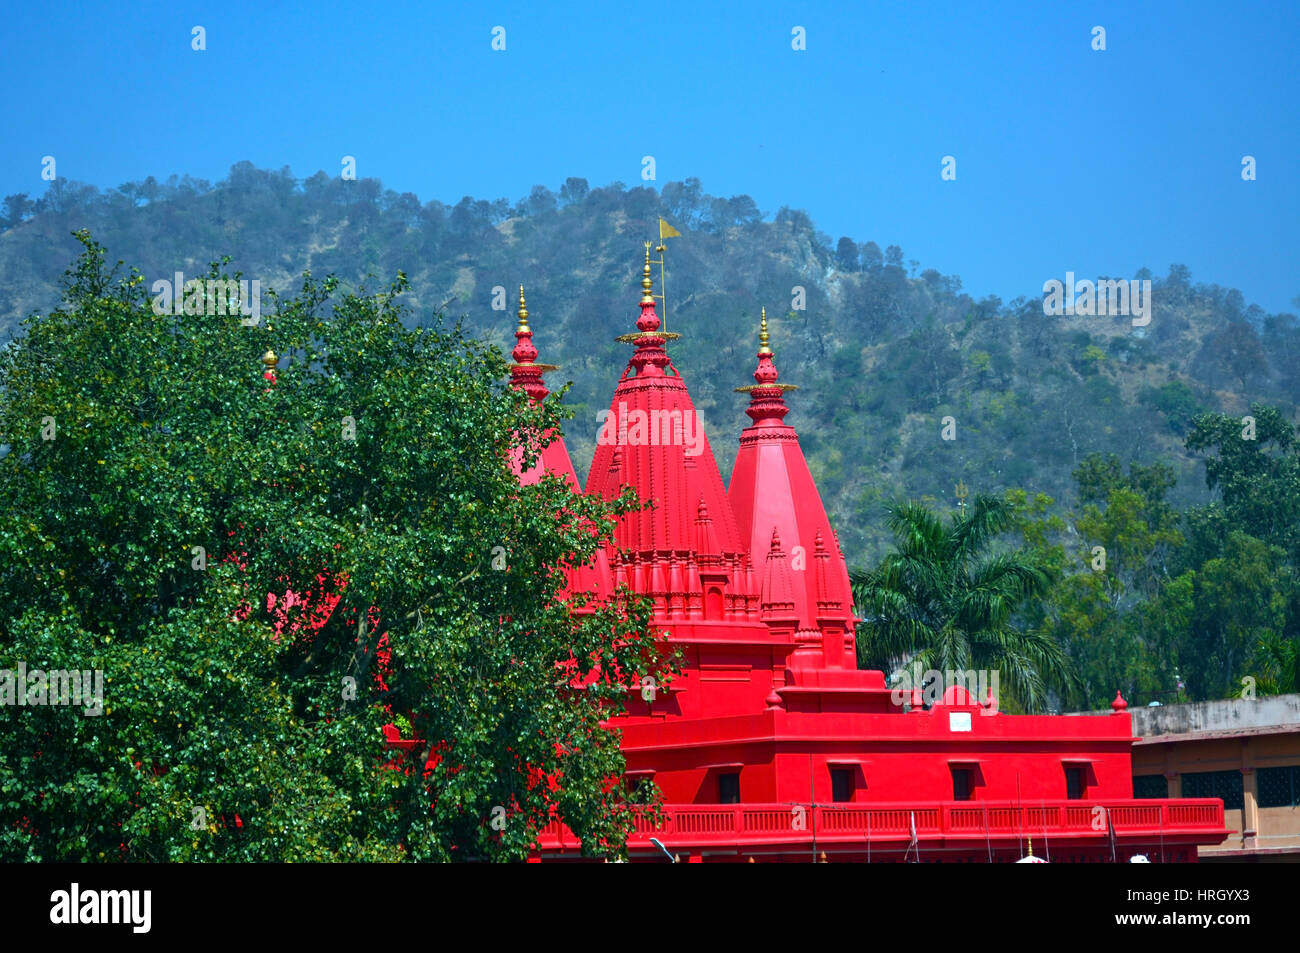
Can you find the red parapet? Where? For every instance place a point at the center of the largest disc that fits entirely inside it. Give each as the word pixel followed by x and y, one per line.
pixel 954 827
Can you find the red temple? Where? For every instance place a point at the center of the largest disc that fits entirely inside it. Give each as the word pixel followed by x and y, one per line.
pixel 773 745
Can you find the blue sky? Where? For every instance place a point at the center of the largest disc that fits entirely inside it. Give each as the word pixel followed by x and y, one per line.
pixel 1067 158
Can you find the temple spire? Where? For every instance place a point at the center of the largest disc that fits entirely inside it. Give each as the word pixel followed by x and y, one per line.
pixel 525 373
pixel 766 396
pixel 650 358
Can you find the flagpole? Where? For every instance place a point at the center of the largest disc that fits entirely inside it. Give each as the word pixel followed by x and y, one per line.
pixel 663 273
pixel 663 279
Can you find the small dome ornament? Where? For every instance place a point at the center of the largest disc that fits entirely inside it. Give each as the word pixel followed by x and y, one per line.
pixel 523 314
pixel 269 360
pixel 1030 858
pixel 1119 704
pixel 647 285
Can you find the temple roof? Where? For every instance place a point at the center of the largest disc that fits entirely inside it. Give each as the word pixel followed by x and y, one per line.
pixel 652 439
pixel 526 375
pixel 773 494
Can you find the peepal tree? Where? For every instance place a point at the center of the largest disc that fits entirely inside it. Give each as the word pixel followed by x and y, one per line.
pixel 268 572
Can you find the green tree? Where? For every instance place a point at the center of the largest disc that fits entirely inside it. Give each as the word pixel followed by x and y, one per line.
pixel 1128 535
pixel 1280 665
pixel 1242 554
pixel 1255 467
pixel 943 599
pixel 1128 517
pixel 268 573
pixel 1234 610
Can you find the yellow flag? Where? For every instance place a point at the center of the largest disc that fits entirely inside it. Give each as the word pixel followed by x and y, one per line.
pixel 667 231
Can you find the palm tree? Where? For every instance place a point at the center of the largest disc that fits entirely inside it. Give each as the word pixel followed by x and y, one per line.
pixel 939 600
pixel 1279 658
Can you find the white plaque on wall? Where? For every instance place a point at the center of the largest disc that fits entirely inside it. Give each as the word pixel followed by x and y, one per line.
pixel 959 721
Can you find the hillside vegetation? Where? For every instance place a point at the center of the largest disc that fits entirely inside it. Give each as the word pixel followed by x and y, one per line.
pixel 883 349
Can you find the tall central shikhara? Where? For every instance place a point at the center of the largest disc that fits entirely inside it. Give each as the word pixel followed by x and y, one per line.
pixel 751 580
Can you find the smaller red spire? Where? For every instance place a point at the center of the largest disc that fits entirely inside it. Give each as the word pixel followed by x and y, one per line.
pixel 620 571
pixel 694 588
pixel 706 537
pixel 751 606
pixel 766 397
pixel 778 588
pixel 676 587
pixel 1119 704
pixel 525 373
pixel 826 601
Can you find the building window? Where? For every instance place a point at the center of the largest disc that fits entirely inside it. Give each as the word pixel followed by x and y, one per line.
pixel 1075 783
pixel 729 788
pixel 841 785
pixel 1279 787
pixel 1150 786
pixel 1221 784
pixel 963 784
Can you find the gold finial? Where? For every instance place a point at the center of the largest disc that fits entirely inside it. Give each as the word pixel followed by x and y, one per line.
pixel 523 312
pixel 763 336
pixel 647 297
pixel 270 360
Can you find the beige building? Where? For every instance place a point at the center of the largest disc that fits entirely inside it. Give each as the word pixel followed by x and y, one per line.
pixel 1246 751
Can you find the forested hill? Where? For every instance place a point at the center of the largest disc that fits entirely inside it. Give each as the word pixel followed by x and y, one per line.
pixel 883 350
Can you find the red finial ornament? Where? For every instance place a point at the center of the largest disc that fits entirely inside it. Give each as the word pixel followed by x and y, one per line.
pixel 767 405
pixel 650 358
pixel 1119 704
pixel 525 372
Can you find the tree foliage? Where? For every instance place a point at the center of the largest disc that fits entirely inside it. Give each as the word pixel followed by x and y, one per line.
pixel 268 573
pixel 942 599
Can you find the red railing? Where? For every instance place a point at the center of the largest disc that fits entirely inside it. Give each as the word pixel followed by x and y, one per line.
pixel 960 820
